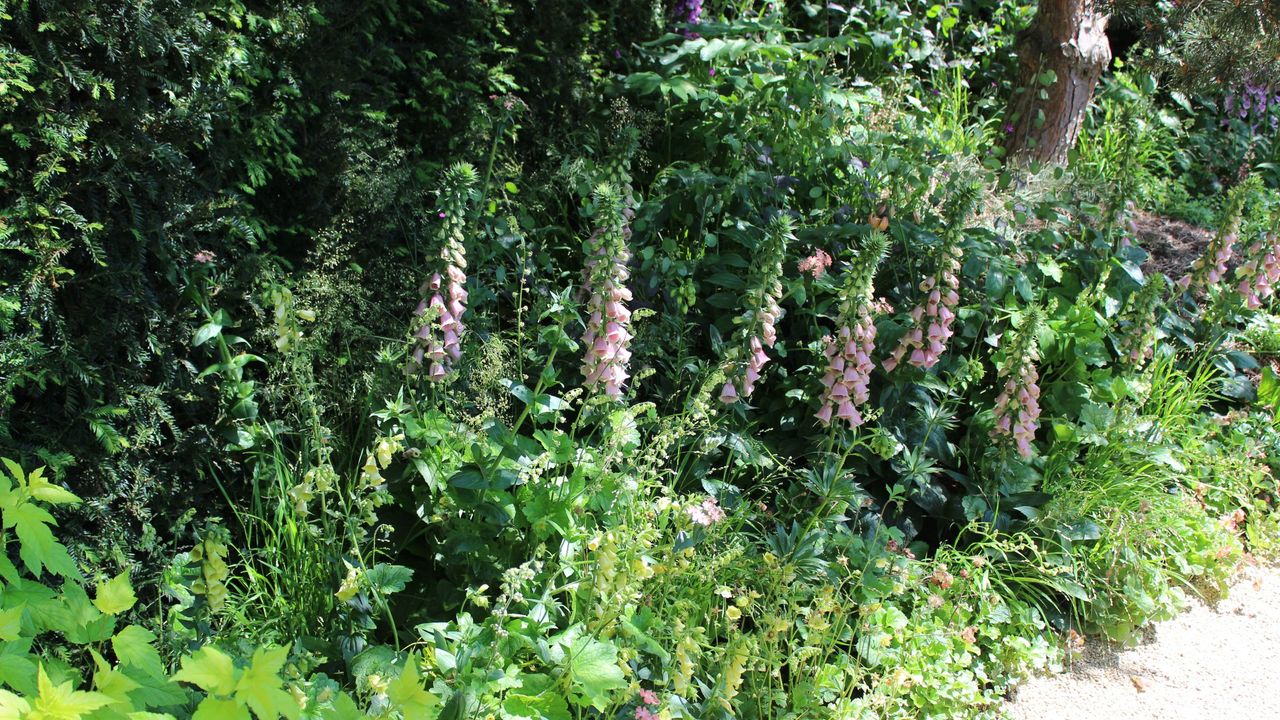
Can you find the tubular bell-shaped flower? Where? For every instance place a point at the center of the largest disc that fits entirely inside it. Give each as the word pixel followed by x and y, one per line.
pixel 444 294
pixel 848 352
pixel 931 320
pixel 1258 276
pixel 1017 411
pixel 1211 268
pixel 758 324
pixel 607 337
pixel 1138 322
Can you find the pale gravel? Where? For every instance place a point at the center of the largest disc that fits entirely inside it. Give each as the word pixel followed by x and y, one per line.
pixel 1218 662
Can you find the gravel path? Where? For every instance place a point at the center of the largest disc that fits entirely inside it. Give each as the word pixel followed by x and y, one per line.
pixel 1221 663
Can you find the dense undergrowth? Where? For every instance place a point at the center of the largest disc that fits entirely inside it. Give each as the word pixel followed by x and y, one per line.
pixel 506 360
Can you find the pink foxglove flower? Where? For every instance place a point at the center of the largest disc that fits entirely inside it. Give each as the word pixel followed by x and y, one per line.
pixel 932 320
pixel 1211 267
pixel 759 324
pixel 444 294
pixel 846 382
pixel 608 329
pixel 1257 278
pixel 1017 411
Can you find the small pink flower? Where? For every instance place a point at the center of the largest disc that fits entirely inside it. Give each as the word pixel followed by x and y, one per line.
pixel 204 257
pixel 643 713
pixel 816 264
pixel 648 697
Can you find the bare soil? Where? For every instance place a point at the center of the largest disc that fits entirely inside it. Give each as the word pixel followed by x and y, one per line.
pixel 1174 245
pixel 1211 662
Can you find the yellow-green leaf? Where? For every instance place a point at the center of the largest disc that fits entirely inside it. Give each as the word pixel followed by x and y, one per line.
pixel 210 669
pixel 46 491
pixel 62 702
pixel 12 707
pixel 115 595
pixel 11 624
pixel 407 694
pixel 212 708
pixel 259 686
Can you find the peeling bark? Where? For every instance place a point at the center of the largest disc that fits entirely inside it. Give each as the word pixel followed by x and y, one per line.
pixel 1068 37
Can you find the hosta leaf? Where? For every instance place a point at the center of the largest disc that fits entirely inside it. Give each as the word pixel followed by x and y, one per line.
pixel 115 595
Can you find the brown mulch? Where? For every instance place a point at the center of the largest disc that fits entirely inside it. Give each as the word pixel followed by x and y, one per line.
pixel 1174 245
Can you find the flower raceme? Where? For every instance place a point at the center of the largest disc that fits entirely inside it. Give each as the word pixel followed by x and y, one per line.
pixel 759 324
pixel 1017 411
pixel 607 337
pixel 848 353
pixel 1211 267
pixel 1137 344
pixel 444 294
pixel 932 319
pixel 1258 276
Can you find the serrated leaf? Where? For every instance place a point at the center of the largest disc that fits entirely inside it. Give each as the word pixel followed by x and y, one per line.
pixel 38 548
pixel 259 686
pixel 115 595
pixel 63 701
pixel 45 491
pixel 593 668
pixel 210 669
pixel 407 693
pixel 212 708
pixel 11 624
pixel 134 647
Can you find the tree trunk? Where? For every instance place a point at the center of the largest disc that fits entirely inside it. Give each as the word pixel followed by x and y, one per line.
pixel 1068 37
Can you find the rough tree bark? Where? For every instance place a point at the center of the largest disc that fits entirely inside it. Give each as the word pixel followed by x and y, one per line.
pixel 1068 37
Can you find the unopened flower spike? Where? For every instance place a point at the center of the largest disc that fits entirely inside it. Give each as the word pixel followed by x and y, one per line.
pixel 757 326
pixel 931 320
pixel 848 352
pixel 1017 411
pixel 443 301
pixel 1138 322
pixel 607 337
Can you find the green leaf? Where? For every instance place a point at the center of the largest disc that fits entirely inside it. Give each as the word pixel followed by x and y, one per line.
pixel 134 647
pixel 45 491
pixel 593 668
pixel 62 701
pixel 210 669
pixel 259 686
pixel 388 579
pixel 407 693
pixel 207 332
pixel 115 595
pixel 212 708
pixel 11 624
pixel 38 546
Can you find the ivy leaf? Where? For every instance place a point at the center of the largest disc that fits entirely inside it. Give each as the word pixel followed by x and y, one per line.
pixel 39 548
pixel 211 670
pixel 259 686
pixel 63 702
pixel 593 666
pixel 407 693
pixel 115 595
